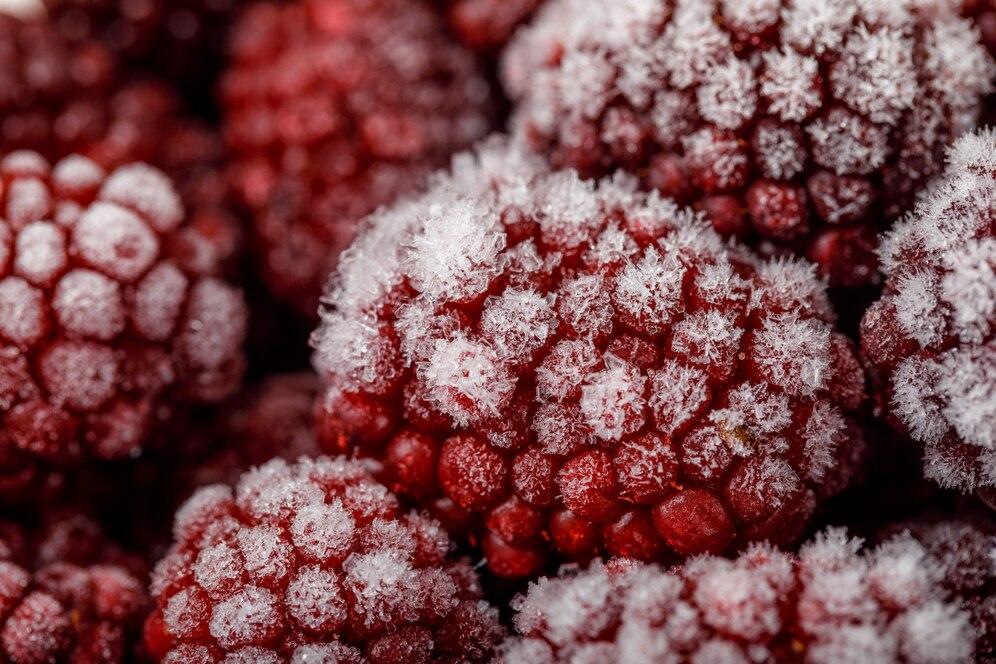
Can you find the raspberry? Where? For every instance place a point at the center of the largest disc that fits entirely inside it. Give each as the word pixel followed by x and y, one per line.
pixel 107 323
pixel 180 38
pixel 67 594
pixel 830 603
pixel 983 14
pixel 590 358
pixel 487 25
pixel 333 108
pixel 313 557
pixel 803 122
pixel 930 338
pixel 65 96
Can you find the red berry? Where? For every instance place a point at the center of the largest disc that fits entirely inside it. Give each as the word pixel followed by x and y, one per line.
pixel 779 121
pixel 331 109
pixel 830 602
pixel 618 379
pixel 314 559
pixel 930 338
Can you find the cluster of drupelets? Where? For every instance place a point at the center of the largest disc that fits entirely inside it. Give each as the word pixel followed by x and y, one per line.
pixel 511 331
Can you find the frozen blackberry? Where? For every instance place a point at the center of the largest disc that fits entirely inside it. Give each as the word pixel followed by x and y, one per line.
pixel 584 367
pixel 832 602
pixel 333 108
pixel 106 321
pixel 314 560
pixel 801 124
pixel 487 25
pixel 930 339
pixel 68 595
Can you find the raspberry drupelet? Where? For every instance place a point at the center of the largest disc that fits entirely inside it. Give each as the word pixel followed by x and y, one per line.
pixel 314 561
pixel 798 124
pixel 331 109
pixel 831 603
pixel 107 323
pixel 930 339
pixel 581 367
pixel 67 594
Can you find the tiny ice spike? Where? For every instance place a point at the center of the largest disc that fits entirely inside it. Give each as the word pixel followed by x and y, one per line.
pixel 930 339
pixel 831 604
pixel 583 367
pixel 313 562
pixel 331 109
pixel 106 321
pixel 67 594
pixel 802 124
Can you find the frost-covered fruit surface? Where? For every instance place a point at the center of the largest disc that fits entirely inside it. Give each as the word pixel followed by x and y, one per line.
pixel 487 25
pixel 333 108
pixel 801 124
pixel 106 320
pixel 983 14
pixel 930 339
pixel 68 594
pixel 833 602
pixel 314 561
pixel 583 367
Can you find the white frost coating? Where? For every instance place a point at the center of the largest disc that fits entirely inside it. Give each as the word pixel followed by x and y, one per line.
pixel 649 289
pixel 837 601
pixel 115 241
pixel 727 97
pixel 788 84
pixel 323 532
pixel 22 312
pixel 677 393
pixel 793 354
pixel 314 600
pixel 40 252
pixel 89 304
pixel 466 379
pixel 612 400
pixel 245 617
pixel 148 192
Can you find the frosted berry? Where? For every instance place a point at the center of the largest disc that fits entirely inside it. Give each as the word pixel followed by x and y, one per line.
pixel 487 25
pixel 106 320
pixel 930 339
pixel 806 123
pixel 331 109
pixel 68 595
pixel 587 357
pixel 314 557
pixel 833 602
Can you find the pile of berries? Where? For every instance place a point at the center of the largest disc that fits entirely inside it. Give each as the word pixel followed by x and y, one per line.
pixel 509 331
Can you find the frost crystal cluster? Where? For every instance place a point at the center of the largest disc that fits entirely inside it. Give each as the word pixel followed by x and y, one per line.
pixel 585 367
pixel 313 562
pixel 107 318
pixel 931 336
pixel 831 603
pixel 802 122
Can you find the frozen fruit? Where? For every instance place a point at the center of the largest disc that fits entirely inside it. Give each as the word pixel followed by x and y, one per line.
pixel 67 594
pixel 983 14
pixel 584 367
pixel 106 320
pixel 488 24
pixel 804 124
pixel 182 39
pixel 331 109
pixel 62 96
pixel 930 339
pixel 833 602
pixel 310 558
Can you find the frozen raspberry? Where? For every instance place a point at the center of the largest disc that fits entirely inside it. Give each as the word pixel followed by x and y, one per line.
pixel 62 96
pixel 106 321
pixel 182 39
pixel 832 602
pixel 487 25
pixel 585 367
pixel 68 595
pixel 333 108
pixel 930 339
pixel 803 123
pixel 983 13
pixel 313 559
